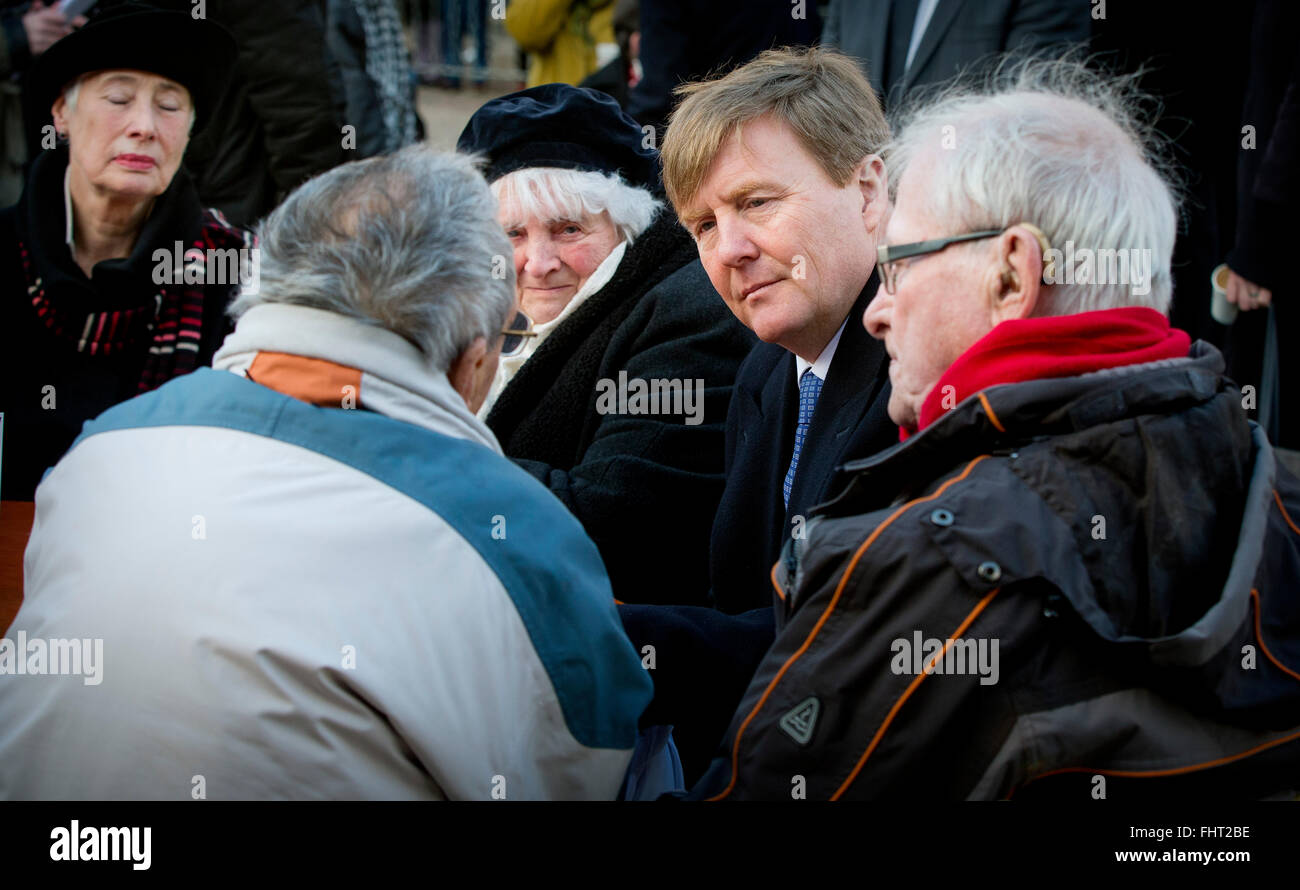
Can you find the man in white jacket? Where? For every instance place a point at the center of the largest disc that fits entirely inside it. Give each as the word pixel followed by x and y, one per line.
pixel 309 572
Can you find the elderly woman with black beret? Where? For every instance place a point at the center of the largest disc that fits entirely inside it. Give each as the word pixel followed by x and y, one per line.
pixel 615 303
pixel 108 284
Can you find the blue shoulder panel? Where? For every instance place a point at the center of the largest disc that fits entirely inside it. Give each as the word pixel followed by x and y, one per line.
pixel 550 568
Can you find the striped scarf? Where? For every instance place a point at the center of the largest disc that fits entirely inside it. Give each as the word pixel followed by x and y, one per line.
pixel 173 325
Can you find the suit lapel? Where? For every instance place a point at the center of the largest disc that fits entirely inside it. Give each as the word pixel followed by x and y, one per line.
pixel 852 384
pixel 767 440
pixel 944 15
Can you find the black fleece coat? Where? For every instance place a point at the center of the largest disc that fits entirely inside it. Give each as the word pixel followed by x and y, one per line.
pixel 644 486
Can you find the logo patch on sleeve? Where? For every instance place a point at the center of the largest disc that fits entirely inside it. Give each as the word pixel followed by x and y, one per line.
pixel 799 721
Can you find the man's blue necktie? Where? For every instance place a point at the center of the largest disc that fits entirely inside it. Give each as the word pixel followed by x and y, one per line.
pixel 810 387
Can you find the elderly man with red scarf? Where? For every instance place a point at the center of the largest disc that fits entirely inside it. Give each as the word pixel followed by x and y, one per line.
pixel 1076 575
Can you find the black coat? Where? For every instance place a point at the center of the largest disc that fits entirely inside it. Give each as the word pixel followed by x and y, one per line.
pixel 1123 538
pixel 279 123
pixel 705 658
pixel 851 420
pixel 52 387
pixel 610 80
pixel 645 487
pixel 685 40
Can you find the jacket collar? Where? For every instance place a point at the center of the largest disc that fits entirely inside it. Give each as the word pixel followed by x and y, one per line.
pixel 314 355
pixel 1003 417
pixel 1056 346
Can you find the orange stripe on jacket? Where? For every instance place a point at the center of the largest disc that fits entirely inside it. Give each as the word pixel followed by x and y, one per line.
pixel 826 614
pixel 311 380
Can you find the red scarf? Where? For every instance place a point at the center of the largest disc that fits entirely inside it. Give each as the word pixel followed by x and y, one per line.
pixel 1059 346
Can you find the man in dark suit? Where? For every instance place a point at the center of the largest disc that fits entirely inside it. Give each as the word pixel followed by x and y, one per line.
pixel 905 44
pixel 772 169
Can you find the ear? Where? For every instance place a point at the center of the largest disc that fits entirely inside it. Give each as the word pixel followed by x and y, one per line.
pixel 59 110
pixel 468 370
pixel 872 182
pixel 1013 283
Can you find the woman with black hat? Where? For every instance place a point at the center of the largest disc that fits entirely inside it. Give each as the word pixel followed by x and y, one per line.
pixel 618 304
pixel 113 278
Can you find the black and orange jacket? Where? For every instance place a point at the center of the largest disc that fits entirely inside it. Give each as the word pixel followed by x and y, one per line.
pixel 1076 587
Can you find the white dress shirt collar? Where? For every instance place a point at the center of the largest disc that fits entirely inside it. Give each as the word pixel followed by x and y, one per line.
pixel 823 363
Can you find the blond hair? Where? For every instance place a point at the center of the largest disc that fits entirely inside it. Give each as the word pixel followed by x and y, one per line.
pixel 820 94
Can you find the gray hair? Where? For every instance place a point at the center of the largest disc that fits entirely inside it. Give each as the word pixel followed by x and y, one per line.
pixel 73 91
pixel 555 193
pixel 1053 143
pixel 408 242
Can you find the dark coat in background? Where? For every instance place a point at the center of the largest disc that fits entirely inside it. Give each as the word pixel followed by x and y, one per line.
pixel 684 40
pixel 279 122
pixel 644 486
pixel 1118 653
pixel 959 33
pixel 706 657
pixel 610 80
pixel 1267 189
pixel 1199 109
pixel 346 38
pixel 366 43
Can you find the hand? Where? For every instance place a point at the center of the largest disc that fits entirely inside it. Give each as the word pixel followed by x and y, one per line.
pixel 45 26
pixel 1246 294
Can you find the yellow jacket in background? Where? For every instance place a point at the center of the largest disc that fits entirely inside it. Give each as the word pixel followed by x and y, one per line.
pixel 560 36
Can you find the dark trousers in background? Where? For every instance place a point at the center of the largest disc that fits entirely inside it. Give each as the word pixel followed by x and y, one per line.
pixel 459 17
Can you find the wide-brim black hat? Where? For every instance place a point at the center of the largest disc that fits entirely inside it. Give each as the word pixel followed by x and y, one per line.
pixel 557 125
pixel 196 53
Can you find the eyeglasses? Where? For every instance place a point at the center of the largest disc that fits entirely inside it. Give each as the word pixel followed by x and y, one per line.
pixel 888 256
pixel 516 334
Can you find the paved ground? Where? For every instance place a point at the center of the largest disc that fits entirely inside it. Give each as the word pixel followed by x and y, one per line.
pixel 445 112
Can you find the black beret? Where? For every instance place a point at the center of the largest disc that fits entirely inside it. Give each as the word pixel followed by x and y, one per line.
pixel 196 53
pixel 557 125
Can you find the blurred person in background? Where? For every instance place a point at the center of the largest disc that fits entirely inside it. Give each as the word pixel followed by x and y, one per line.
pixel 282 115
pixel 1267 191
pixel 566 40
pixel 26 31
pixel 903 45
pixel 91 314
pixel 624 72
pixel 461 17
pixel 609 289
pixel 366 40
pixel 682 40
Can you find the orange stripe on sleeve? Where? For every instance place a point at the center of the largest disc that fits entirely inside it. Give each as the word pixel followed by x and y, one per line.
pixel 826 613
